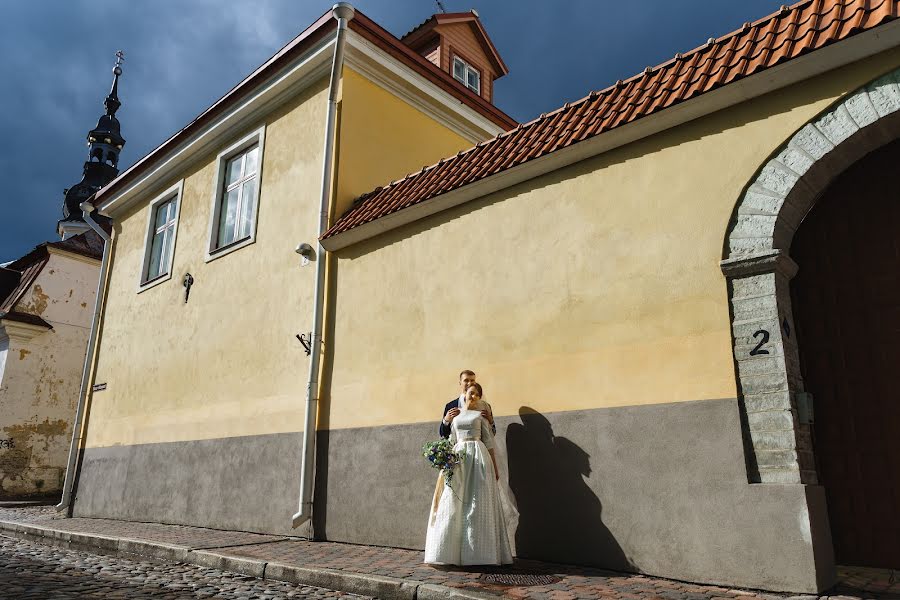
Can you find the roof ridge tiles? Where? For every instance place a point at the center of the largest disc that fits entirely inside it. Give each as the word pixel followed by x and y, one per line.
pixel 779 36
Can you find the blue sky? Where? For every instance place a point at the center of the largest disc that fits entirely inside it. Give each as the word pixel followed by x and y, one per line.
pixel 182 55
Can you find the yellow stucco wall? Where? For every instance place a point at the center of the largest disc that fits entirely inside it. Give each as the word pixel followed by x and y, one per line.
pixel 383 138
pixel 226 363
pixel 594 286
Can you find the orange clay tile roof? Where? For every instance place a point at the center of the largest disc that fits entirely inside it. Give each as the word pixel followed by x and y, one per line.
pixel 779 37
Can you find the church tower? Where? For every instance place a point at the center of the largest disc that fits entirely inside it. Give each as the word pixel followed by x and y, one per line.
pixel 104 144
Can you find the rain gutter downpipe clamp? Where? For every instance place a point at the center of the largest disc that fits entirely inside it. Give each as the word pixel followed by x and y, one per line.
pixel 87 208
pixel 343 12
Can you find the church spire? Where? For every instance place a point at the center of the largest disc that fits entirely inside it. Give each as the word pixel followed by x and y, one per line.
pixel 105 142
pixel 112 102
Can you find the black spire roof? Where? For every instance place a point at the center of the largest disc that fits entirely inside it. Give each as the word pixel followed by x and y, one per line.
pixel 105 141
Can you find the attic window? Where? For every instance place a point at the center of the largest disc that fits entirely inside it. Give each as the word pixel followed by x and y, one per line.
pixel 466 74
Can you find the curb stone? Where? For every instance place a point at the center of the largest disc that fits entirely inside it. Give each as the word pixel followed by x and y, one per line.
pixel 430 591
pixel 153 549
pixel 103 542
pixel 224 562
pixel 387 588
pixel 378 586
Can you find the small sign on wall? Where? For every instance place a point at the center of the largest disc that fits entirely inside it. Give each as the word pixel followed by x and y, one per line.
pixel 99 387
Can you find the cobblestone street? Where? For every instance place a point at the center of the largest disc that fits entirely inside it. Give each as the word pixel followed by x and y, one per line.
pixel 47 567
pixel 37 571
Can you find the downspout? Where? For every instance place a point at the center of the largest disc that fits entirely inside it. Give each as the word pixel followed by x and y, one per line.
pixel 87 208
pixel 343 12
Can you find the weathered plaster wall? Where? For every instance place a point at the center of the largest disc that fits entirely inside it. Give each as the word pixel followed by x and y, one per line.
pixel 40 383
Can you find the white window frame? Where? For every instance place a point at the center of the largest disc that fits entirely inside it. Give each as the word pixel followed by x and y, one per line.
pixel 467 68
pixel 257 138
pixel 173 193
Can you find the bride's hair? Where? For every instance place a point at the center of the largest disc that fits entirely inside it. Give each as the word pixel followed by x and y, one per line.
pixel 477 386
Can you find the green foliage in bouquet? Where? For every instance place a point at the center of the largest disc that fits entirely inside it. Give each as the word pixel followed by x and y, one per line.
pixel 441 455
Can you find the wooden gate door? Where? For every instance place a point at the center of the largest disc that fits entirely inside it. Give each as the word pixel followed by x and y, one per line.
pixel 846 303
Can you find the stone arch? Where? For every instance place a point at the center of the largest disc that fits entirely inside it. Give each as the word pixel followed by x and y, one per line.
pixel 758 267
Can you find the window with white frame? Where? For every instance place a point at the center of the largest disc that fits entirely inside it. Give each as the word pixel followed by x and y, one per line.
pixel 162 240
pixel 466 74
pixel 159 243
pixel 237 197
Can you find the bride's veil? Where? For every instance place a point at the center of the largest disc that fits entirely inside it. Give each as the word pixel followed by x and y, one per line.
pixel 507 499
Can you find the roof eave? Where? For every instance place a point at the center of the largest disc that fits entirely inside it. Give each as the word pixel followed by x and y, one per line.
pixel 294 50
pixel 855 48
pixel 319 29
pixel 492 50
pixel 25 319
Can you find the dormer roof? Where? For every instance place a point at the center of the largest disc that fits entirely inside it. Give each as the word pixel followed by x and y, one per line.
pixel 422 32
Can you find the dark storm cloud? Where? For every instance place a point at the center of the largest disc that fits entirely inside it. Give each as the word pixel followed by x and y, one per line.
pixel 183 55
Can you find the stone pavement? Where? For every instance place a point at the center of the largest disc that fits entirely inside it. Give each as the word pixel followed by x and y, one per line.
pixel 382 572
pixel 38 571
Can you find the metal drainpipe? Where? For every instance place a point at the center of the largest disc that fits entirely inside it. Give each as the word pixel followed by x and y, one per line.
pixel 343 12
pixel 87 208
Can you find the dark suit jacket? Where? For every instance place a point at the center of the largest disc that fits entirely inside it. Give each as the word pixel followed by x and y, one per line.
pixel 444 430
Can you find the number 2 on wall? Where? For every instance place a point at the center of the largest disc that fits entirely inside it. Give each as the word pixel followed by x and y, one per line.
pixel 762 342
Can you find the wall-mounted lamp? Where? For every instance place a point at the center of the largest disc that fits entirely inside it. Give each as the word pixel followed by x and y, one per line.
pixel 306 252
pixel 187 282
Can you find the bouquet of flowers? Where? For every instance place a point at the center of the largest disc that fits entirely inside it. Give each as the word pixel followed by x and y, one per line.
pixel 442 456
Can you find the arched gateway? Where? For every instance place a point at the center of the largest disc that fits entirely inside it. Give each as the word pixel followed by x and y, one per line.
pixel 805 415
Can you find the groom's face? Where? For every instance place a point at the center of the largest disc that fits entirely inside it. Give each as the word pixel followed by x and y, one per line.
pixel 465 381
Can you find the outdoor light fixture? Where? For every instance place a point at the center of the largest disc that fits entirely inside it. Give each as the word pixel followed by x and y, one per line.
pixel 305 251
pixel 187 282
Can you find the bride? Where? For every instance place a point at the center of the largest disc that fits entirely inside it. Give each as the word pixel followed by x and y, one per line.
pixel 466 525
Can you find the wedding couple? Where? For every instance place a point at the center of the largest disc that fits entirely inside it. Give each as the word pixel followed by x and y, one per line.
pixel 466 525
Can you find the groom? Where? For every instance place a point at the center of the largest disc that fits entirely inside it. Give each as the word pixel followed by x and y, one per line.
pixel 466 379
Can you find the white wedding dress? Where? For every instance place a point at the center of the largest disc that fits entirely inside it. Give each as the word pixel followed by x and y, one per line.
pixel 466 525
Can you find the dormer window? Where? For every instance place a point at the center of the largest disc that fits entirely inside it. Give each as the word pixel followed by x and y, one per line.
pixel 458 45
pixel 466 74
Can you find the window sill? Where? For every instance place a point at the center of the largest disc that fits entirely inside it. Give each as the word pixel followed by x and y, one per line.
pixel 151 283
pixel 220 252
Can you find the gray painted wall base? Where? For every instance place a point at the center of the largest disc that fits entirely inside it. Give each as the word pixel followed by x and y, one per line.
pixel 657 489
pixel 244 483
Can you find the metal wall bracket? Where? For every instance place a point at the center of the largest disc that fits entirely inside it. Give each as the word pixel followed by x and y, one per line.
pixel 305 341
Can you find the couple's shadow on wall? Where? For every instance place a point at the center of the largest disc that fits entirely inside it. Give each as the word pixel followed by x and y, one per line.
pixel 560 517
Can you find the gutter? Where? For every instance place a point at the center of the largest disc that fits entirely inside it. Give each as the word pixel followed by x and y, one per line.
pixel 343 12
pixel 87 208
